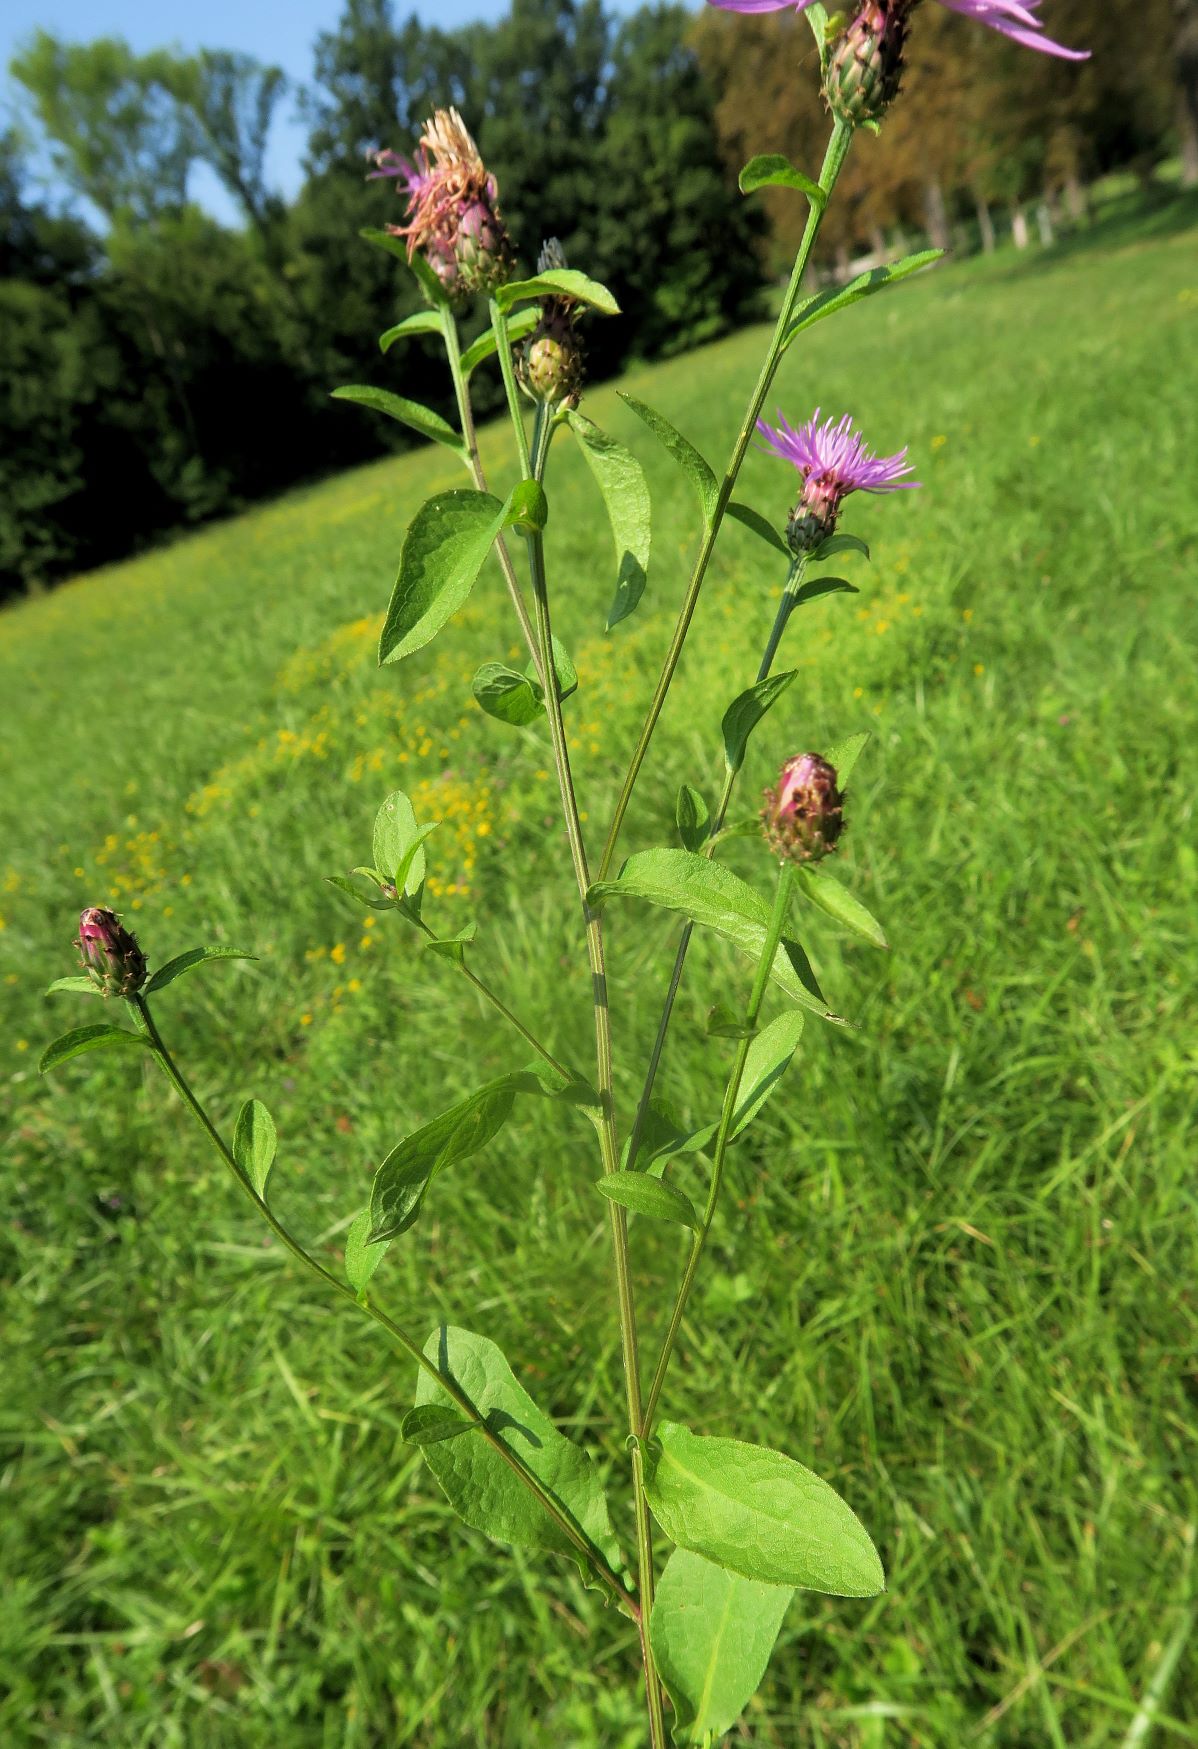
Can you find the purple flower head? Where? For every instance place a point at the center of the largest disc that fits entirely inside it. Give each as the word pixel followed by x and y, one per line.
pixel 108 953
pixel 453 206
pixel 803 814
pixel 1014 18
pixel 833 460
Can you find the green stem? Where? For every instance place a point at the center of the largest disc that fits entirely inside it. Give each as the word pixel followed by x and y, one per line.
pixel 785 609
pixel 838 146
pixel 773 936
pixel 410 1346
pixel 461 387
pixel 500 1006
pixel 507 370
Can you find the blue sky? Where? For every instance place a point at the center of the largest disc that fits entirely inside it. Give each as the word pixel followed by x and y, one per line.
pixel 278 33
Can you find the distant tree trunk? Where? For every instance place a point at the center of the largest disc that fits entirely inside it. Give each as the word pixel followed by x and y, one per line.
pixel 1187 89
pixel 1044 224
pixel 985 223
pixel 1019 230
pixel 1076 199
pixel 936 214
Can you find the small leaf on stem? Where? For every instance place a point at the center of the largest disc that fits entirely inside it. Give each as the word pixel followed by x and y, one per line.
pixel 254 1143
pixel 646 1195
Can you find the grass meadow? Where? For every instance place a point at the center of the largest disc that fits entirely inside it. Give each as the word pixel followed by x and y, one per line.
pixel 955 1267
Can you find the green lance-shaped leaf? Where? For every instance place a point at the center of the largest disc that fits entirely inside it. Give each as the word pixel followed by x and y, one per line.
pixel 345 885
pixel 827 303
pixel 768 1058
pixel 645 1195
pixel 411 413
pixel 814 587
pixel 480 1486
pixel 443 552
pixel 683 452
pixel 361 1257
pixel 692 816
pixel 423 322
pixel 254 1143
pixel 398 844
pixel 745 712
pixel 822 28
pixel 621 480
pixel 560 282
pixel 838 543
pixel 715 898
pixel 401 1182
pixel 724 1021
pixel 518 327
pixel 760 525
pixel 78 986
pixel 826 891
pixel 430 1423
pixel 100 1037
pixel 772 170
pixel 186 962
pixel 712 1633
pixel 758 1513
pixel 843 755
pixel 453 947
pixel 416 265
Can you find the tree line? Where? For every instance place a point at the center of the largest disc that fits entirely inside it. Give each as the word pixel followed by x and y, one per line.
pixel 158 367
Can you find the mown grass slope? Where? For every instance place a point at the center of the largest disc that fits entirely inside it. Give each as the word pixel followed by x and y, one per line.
pixel 955 1269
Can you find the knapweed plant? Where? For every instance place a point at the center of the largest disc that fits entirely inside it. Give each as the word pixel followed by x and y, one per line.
pixel 746 1526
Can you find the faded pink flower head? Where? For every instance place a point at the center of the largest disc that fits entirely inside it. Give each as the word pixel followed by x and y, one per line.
pixel 108 953
pixel 834 461
pixel 453 206
pixel 1014 18
pixel 803 814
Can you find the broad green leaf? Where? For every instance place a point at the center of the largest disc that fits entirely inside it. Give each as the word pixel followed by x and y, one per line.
pixel 683 452
pixel 507 695
pixel 621 480
pixel 254 1143
pixel 843 756
pixel 559 282
pixel 645 1195
pixel 839 543
pixel 712 1635
pixel 80 986
pixel 395 834
pixel 361 1257
pixel 760 525
pixel 726 1022
pixel 479 1484
pixel 527 508
pixel 401 1182
pixel 100 1037
pixel 768 1059
pixel 423 322
pixel 430 1423
pixel 745 712
pixel 345 885
pixel 692 817
pixel 195 956
pixel 518 326
pixel 443 552
pixel 711 895
pixel 758 1513
pixel 416 265
pixel 814 587
pixel 826 892
pixel 772 170
pixel 453 947
pixel 827 303
pixel 411 413
pixel 403 875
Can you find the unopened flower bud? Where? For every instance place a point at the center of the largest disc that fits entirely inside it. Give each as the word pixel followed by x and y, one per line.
pixel 803 814
pixel 109 954
pixel 550 363
pixel 810 523
pixel 866 68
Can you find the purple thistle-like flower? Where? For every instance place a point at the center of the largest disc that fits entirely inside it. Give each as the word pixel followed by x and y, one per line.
pixel 834 461
pixel 452 206
pixel 1014 18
